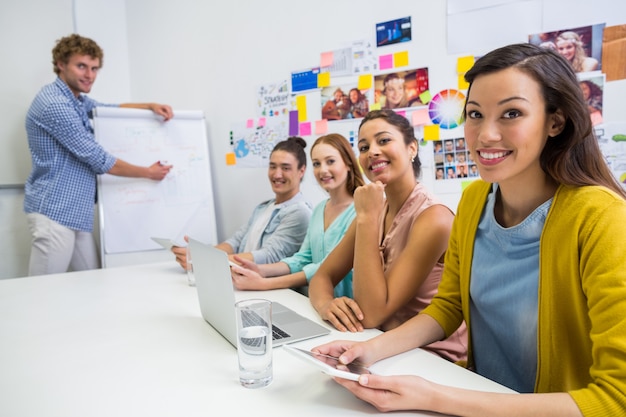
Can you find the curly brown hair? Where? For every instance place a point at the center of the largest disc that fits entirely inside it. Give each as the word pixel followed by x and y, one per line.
pixel 74 44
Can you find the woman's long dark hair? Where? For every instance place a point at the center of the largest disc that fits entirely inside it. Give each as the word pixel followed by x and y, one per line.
pixel 573 157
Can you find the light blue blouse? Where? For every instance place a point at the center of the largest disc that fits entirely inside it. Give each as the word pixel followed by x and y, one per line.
pixel 503 290
pixel 318 243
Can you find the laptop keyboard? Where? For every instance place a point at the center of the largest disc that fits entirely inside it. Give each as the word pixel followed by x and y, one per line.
pixel 250 318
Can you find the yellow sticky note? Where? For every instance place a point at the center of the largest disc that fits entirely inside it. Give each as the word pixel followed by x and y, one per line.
pixel 301 106
pixel 431 132
pixel 375 106
pixel 425 97
pixel 463 85
pixel 323 79
pixel 230 158
pixel 464 63
pixel 365 82
pixel 401 59
pixel 321 127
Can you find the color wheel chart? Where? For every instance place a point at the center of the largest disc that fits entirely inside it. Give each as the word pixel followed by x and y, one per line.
pixel 446 109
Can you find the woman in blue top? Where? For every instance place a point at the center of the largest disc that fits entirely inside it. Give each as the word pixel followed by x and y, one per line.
pixel 337 171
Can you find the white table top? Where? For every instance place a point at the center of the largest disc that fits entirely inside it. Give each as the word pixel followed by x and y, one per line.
pixel 131 342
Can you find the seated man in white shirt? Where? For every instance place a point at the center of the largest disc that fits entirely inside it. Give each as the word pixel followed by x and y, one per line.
pixel 278 226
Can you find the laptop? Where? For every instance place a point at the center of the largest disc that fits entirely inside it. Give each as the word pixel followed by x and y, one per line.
pixel 216 296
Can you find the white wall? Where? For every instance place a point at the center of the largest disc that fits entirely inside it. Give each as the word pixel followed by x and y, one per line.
pixel 28 30
pixel 196 54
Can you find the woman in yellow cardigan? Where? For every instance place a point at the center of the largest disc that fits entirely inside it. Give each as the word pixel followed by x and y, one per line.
pixel 535 263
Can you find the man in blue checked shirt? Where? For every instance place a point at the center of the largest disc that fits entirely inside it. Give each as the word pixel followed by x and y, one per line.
pixel 61 190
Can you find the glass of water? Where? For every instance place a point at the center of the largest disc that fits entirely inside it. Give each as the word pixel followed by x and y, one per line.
pixel 254 342
pixel 191 279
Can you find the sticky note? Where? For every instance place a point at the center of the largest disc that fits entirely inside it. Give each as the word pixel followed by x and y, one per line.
pixel 301 106
pixel 230 158
pixel 401 113
pixel 323 79
pixel 431 132
pixel 261 121
pixel 465 183
pixel 385 62
pixel 305 129
pixel 365 82
pixel 250 123
pixel 420 117
pixel 321 127
pixel 401 59
pixel 293 123
pixel 375 106
pixel 463 85
pixel 425 97
pixel 464 63
pixel 326 59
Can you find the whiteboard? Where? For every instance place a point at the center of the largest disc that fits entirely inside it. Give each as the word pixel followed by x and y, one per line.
pixel 132 210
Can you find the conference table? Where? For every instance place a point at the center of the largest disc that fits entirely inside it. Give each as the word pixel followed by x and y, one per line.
pixel 130 341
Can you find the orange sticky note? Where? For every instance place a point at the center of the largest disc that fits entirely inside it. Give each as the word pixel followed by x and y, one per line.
pixel 326 59
pixel 365 82
pixel 431 132
pixel 301 106
pixel 401 59
pixel 464 63
pixel 463 85
pixel 323 79
pixel 425 97
pixel 420 117
pixel 230 158
pixel 321 127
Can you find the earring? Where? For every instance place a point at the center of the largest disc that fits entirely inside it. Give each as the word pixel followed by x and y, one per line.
pixel 412 158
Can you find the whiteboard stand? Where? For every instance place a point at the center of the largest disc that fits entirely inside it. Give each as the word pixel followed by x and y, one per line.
pixel 132 210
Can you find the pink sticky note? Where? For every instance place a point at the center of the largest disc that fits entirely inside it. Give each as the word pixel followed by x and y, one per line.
pixel 250 123
pixel 305 129
pixel 402 113
pixel 261 121
pixel 326 59
pixel 420 117
pixel 385 61
pixel 321 127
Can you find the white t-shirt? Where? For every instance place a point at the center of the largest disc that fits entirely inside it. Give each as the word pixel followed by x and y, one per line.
pixel 253 242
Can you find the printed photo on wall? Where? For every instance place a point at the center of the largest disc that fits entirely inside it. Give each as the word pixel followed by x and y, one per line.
pixel 593 91
pixel 393 31
pixel 453 160
pixel 396 90
pixel 582 46
pixel 274 100
pixel 343 102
